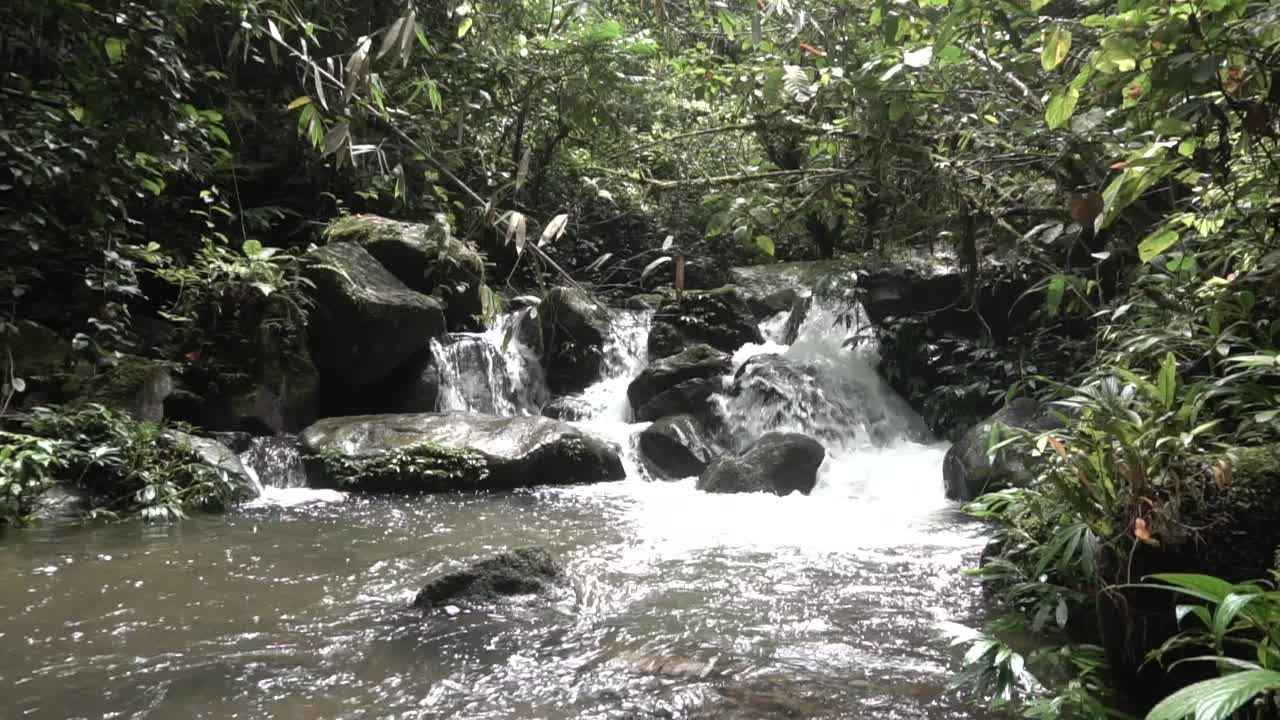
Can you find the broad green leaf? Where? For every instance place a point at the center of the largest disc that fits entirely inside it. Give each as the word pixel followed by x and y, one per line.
pixel 464 27
pixel 1216 699
pixel 304 100
pixel 1156 243
pixel 1057 43
pixel 1062 104
pixel 765 243
pixel 1205 587
pixel 251 248
pixel 115 48
pixel 1167 380
pixel 1227 612
pixel 1053 295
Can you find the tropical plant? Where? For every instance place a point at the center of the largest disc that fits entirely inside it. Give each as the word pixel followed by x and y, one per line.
pixel 28 467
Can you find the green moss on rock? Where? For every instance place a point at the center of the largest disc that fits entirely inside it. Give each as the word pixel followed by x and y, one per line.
pixel 424 467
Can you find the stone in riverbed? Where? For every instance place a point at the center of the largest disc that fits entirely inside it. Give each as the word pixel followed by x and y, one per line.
pixel 525 571
pixel 572 331
pixel 678 384
pixel 440 452
pixel 675 447
pixel 780 463
pixel 720 318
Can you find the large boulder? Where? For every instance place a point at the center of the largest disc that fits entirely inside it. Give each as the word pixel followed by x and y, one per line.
pixel 568 408
pixel 720 318
pixel 780 463
pixel 678 384
pixel 136 385
pixel 437 452
pixel 217 455
pixel 365 322
pixel 426 257
pixel 968 472
pixel 764 307
pixel 572 332
pixel 675 447
pixel 525 571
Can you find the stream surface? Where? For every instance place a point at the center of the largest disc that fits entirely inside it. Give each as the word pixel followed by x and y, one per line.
pixel 680 604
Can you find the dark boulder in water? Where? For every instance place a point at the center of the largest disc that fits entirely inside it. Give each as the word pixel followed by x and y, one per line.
pixel 569 407
pixel 780 463
pixel 675 447
pixel 525 571
pixel 720 318
pixel 572 332
pixel 678 384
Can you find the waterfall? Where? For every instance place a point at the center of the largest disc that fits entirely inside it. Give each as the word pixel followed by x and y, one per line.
pixel 275 461
pixel 824 384
pixel 491 372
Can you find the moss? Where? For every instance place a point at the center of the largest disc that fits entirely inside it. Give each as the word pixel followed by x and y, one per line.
pixel 368 230
pixel 425 467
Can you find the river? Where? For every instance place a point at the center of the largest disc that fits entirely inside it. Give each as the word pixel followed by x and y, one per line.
pixel 680 604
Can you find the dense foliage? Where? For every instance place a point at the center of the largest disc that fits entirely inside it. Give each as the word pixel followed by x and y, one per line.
pixel 173 160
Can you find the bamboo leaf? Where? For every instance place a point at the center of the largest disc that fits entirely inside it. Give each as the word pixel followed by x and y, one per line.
pixel 554 229
pixel 648 269
pixel 304 100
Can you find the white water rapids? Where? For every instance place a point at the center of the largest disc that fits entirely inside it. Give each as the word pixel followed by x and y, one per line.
pixel 682 604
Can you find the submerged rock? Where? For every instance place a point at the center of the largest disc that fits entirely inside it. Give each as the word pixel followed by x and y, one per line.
pixel 525 571
pixel 675 447
pixel 366 322
pixel 720 318
pixel 426 257
pixel 573 328
pixel 967 472
pixel 679 384
pixel 780 463
pixel 437 452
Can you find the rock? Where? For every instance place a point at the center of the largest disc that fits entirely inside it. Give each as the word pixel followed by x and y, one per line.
pixel 214 453
pixel 719 318
pixel 136 385
pixel 779 301
pixel 63 502
pixel 678 384
pixel 366 322
pixel 438 452
pixel 573 331
pixel 675 447
pixel 426 257
pixel 284 398
pixel 526 571
pixel 968 473
pixel 276 461
pixel 780 463
pixel 795 320
pixel 236 441
pixel 567 408
pixel 644 301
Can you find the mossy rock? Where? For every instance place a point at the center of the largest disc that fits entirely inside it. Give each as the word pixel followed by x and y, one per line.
pixel 366 322
pixel 572 332
pixel 435 452
pixel 38 352
pixel 720 318
pixel 426 257
pixel 136 385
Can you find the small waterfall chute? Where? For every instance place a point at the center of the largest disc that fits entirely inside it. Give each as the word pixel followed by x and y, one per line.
pixel 491 372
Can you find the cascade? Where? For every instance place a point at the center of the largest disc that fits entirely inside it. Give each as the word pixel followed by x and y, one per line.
pixel 275 461
pixel 490 372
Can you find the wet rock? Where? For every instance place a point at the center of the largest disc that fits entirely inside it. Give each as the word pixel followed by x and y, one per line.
pixel 720 318
pixel 967 472
pixel 426 257
pixel 780 463
pixel 675 447
pixel 679 384
pixel 236 441
pixel 573 328
pixel 214 453
pixel 766 306
pixel 644 301
pixel 525 571
pixel 437 452
pixel 567 408
pixel 795 320
pixel 366 322
pixel 284 398
pixel 63 503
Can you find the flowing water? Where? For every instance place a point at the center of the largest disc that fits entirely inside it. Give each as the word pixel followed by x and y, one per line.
pixel 680 604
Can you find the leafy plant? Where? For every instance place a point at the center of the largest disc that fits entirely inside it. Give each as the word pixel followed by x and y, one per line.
pixel 29 466
pixel 133 468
